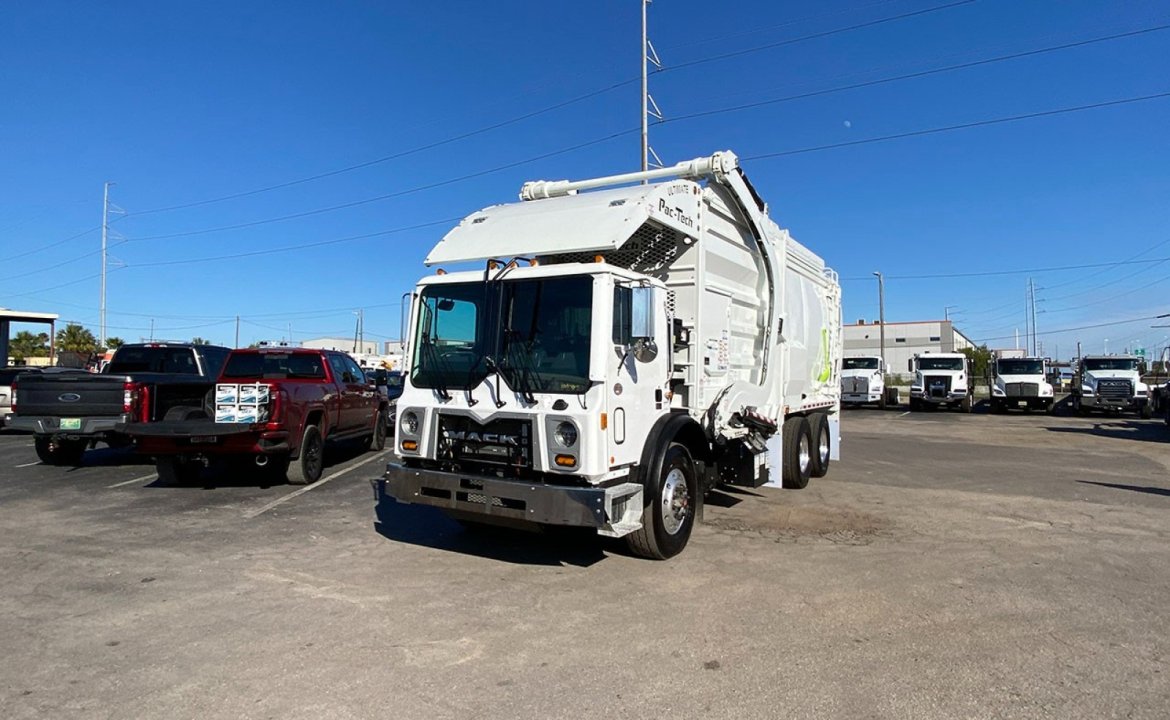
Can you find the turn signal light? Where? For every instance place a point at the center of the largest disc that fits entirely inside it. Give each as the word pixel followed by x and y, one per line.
pixel 604 420
pixel 565 460
pixel 411 445
pixel 598 258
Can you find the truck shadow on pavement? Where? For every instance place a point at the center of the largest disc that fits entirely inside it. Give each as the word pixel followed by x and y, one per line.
pixel 1164 492
pixel 245 473
pixel 111 457
pixel 1140 430
pixel 429 527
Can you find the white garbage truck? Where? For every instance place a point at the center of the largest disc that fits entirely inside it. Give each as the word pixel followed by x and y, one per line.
pixel 941 379
pixel 618 351
pixel 1020 381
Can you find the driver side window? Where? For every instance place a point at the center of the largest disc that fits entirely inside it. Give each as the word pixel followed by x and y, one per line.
pixel 340 371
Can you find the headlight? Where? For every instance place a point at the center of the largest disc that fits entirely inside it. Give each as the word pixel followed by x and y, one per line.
pixel 565 434
pixel 409 423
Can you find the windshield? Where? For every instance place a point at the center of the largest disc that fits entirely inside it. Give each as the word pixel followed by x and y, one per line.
pixel 535 332
pixel 859 364
pixel 1016 366
pixel 1110 364
pixel 939 363
pixel 153 359
pixel 257 366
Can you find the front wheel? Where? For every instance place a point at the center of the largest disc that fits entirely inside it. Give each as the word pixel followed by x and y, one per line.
pixel 59 452
pixel 376 440
pixel 307 468
pixel 668 511
pixel 965 404
pixel 1145 412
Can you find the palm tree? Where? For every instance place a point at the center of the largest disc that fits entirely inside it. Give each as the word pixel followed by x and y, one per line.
pixel 25 345
pixel 199 341
pixel 75 338
pixel 113 343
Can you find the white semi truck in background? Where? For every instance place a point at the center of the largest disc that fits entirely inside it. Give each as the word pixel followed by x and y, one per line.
pixel 941 379
pixel 1020 381
pixel 1110 382
pixel 617 354
pixel 863 382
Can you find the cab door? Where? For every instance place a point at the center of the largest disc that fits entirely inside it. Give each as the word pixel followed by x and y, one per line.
pixel 367 397
pixel 348 391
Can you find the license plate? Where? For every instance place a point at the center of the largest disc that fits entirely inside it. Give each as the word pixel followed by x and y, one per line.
pixel 70 423
pixel 204 439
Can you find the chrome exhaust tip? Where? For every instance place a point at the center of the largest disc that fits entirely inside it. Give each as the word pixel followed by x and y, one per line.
pixel 261 460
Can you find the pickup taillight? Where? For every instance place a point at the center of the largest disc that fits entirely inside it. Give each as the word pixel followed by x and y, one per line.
pixel 276 403
pixel 136 401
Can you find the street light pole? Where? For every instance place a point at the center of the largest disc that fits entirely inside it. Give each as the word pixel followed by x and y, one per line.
pixel 882 332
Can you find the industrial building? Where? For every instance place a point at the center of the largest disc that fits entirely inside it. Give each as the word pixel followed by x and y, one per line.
pixel 349 345
pixel 904 340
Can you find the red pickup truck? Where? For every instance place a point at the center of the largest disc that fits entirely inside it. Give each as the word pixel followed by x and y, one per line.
pixel 278 406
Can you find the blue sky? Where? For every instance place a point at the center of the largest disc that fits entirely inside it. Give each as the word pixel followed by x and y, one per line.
pixel 181 103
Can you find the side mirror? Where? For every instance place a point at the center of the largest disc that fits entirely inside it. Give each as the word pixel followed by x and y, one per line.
pixel 642 312
pixel 645 349
pixel 910 365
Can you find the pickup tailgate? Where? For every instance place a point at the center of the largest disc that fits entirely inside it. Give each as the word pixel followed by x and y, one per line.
pixel 79 394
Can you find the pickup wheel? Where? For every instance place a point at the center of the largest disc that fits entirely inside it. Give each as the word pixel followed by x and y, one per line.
pixel 668 512
pixel 177 470
pixel 965 404
pixel 307 468
pixel 59 452
pixel 376 440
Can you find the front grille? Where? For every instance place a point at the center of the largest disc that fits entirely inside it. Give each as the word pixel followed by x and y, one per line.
pixel 506 442
pixel 1021 389
pixel 855 385
pixel 1115 389
pixel 937 385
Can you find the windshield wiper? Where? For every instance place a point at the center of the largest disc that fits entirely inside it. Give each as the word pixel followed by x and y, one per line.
pixel 438 371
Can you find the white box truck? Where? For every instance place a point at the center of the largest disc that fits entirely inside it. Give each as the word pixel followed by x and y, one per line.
pixel 941 379
pixel 616 354
pixel 1020 381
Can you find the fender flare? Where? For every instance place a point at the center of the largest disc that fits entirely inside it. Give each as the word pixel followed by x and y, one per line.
pixel 668 427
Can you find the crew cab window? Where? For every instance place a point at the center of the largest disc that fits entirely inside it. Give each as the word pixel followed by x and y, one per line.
pixel 255 366
pixel 355 371
pixel 153 359
pixel 340 371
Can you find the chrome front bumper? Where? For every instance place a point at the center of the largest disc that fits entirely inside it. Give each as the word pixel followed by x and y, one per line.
pixel 613 511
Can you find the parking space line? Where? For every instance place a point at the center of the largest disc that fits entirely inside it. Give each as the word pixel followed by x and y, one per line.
pixel 135 480
pixel 285 498
pixel 38 462
pixel 904 414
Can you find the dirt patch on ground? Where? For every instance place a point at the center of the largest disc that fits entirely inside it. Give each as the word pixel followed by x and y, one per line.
pixel 783 521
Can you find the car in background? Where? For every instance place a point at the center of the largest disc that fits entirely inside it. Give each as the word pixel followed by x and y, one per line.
pixel 395 382
pixel 7 377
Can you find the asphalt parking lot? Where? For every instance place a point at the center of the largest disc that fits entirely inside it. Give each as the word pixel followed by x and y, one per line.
pixel 950 566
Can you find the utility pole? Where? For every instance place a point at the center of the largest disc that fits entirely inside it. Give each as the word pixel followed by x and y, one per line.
pixel 882 331
pixel 105 238
pixel 649 107
pixel 237 331
pixel 1032 298
pixel 152 329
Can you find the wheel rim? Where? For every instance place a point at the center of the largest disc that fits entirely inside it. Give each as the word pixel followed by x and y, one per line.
pixel 804 455
pixel 676 501
pixel 313 458
pixel 823 448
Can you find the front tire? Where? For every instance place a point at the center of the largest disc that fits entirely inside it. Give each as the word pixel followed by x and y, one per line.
pixel 668 510
pixel 376 440
pixel 1145 412
pixel 308 466
pixel 821 444
pixel 797 449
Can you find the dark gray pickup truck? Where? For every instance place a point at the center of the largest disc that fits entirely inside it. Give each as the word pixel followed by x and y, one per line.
pixel 69 412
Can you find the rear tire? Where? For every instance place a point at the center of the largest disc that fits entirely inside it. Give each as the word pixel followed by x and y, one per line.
pixel 59 452
pixel 177 470
pixel 668 509
pixel 821 444
pixel 310 463
pixel 797 448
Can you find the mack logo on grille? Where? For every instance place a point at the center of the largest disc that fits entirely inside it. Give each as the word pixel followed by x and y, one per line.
pixel 489 438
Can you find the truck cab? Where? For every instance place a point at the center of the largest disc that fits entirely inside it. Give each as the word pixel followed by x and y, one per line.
pixel 941 380
pixel 1021 382
pixel 1111 383
pixel 863 380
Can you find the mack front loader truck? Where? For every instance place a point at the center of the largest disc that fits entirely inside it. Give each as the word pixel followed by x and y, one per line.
pixel 618 350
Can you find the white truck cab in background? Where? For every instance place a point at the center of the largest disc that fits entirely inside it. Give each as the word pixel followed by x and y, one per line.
pixel 1020 381
pixel 941 379
pixel 863 381
pixel 615 355
pixel 1112 383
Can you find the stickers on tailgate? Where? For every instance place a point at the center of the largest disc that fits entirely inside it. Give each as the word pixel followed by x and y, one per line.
pixel 239 403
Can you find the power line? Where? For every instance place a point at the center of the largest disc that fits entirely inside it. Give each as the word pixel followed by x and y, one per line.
pixel 919 74
pixel 963 126
pixel 51 245
pixel 822 34
pixel 387 196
